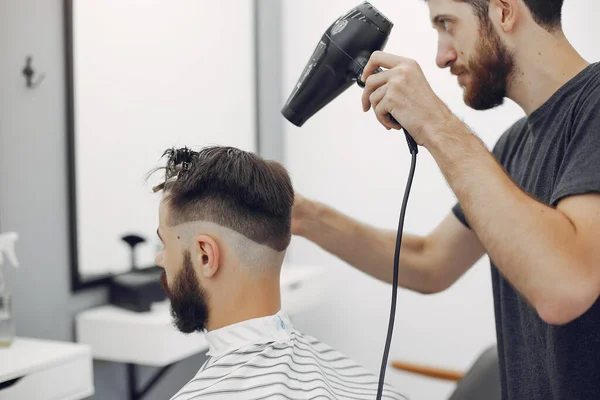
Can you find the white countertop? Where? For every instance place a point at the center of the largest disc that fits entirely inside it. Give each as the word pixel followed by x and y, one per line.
pixel 36 369
pixel 26 356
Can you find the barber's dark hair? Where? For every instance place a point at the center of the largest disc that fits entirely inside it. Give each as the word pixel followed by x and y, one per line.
pixel 546 13
pixel 230 187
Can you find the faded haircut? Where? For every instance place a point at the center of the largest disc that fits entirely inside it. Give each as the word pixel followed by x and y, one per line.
pixel 230 187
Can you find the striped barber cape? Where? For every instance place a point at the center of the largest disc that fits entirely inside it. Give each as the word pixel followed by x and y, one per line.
pixel 267 358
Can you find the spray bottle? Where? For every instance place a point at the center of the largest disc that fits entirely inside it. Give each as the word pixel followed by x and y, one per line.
pixel 7 324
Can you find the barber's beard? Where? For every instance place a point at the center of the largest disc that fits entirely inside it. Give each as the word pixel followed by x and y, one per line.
pixel 188 300
pixel 490 70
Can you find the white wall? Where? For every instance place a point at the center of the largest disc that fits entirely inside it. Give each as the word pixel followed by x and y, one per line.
pixel 344 158
pixel 34 194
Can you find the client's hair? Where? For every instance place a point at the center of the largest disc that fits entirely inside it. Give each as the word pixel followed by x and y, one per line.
pixel 230 187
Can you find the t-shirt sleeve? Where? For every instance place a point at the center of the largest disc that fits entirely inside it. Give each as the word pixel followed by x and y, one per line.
pixel 579 172
pixel 458 213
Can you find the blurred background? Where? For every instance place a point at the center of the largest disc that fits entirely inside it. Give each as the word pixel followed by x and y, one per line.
pixel 125 79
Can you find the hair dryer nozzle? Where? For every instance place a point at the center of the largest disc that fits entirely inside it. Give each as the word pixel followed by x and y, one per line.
pixel 337 61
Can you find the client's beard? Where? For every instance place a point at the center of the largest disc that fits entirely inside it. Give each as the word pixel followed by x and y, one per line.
pixel 188 300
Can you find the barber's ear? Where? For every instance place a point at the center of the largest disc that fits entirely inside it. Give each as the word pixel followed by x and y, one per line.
pixel 207 253
pixel 504 13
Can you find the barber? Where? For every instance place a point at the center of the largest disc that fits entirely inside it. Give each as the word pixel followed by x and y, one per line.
pixel 532 204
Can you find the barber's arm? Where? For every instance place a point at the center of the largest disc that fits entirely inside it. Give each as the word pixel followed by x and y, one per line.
pixel 550 255
pixel 428 264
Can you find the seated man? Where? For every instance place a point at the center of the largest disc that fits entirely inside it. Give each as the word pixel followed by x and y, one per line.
pixel 224 221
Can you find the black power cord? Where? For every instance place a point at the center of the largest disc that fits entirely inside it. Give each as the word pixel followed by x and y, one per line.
pixel 413 151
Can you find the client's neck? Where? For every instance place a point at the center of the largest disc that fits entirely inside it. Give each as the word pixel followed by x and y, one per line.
pixel 252 297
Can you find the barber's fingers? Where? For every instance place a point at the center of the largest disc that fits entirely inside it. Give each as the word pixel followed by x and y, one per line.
pixel 381 59
pixel 372 84
pixel 376 96
pixel 384 116
pixel 380 104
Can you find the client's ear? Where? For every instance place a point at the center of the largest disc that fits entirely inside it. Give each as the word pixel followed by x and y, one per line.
pixel 207 253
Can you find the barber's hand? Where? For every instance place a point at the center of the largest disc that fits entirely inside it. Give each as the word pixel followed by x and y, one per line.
pixel 301 211
pixel 402 91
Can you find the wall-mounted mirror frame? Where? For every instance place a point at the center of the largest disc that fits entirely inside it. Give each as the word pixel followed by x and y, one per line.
pixel 80 182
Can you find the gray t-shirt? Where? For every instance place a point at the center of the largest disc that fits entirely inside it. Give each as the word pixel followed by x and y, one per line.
pixel 552 154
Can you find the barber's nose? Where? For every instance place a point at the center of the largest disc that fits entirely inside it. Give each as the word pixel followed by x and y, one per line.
pixel 446 56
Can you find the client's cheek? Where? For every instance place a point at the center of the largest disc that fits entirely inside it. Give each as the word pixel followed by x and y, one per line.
pixel 164 281
pixel 159 259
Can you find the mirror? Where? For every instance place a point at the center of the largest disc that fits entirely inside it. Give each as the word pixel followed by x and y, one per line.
pixel 144 76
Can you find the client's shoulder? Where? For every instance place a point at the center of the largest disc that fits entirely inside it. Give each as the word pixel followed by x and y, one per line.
pixel 293 367
pixel 342 375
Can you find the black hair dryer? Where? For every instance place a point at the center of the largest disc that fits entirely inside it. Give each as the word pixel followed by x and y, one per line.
pixel 338 61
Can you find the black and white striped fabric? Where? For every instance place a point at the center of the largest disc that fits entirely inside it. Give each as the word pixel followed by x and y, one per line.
pixel 267 358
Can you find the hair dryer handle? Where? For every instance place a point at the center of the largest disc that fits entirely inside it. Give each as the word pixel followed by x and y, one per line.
pixel 412 145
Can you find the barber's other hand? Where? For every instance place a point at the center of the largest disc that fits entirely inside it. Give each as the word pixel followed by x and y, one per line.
pixel 302 212
pixel 402 91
